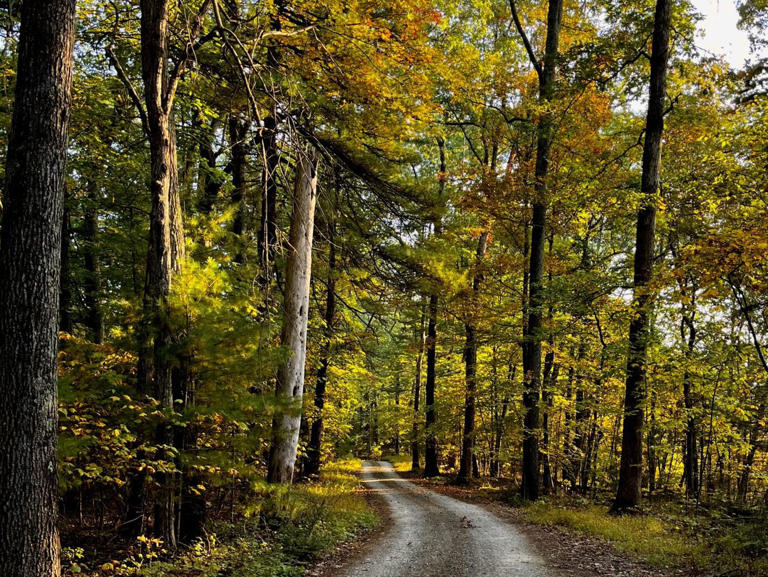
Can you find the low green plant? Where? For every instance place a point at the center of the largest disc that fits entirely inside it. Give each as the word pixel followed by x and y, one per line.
pixel 644 536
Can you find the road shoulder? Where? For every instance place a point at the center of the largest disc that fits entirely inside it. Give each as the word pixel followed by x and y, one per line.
pixel 357 548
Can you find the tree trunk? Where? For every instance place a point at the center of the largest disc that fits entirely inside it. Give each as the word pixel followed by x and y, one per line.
pixel 397 413
pixel 470 364
pixel 430 452
pixel 630 471
pixel 499 417
pixel 690 452
pixel 551 374
pixel 532 335
pixel 431 468
pixel 270 161
pixel 415 461
pixel 65 291
pixel 166 241
pixel 314 450
pixel 92 281
pixel 238 131
pixel 290 376
pixel 30 251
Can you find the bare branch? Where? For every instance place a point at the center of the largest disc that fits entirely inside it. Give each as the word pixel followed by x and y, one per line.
pixel 528 48
pixel 189 52
pixel 129 88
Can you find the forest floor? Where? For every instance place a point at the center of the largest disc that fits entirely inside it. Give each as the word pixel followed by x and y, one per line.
pixel 373 523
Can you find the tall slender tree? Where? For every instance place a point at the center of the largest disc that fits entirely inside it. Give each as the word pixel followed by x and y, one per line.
pixel 314 450
pixel 532 330
pixel 30 252
pixel 631 468
pixel 431 468
pixel 420 342
pixel 470 367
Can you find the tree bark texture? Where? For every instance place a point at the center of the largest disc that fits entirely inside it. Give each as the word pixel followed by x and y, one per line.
pixel 30 252
pixel 630 469
pixel 290 376
pixel 532 334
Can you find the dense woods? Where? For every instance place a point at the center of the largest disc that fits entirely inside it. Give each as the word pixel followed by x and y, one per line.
pixel 512 241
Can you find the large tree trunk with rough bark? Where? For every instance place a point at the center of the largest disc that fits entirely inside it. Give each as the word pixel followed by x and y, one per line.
pixel 631 467
pixel 470 368
pixel 30 251
pixel 290 376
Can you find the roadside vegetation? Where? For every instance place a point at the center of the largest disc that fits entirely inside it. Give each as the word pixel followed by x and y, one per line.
pixel 668 535
pixel 277 531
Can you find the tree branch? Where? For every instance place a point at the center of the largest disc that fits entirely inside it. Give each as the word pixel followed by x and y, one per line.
pixel 130 88
pixel 189 51
pixel 524 37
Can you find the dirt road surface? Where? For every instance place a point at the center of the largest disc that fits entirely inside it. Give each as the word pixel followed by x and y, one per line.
pixel 433 535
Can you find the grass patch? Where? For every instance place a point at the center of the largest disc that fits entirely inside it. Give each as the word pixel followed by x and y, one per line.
pixel 670 537
pixel 646 537
pixel 401 463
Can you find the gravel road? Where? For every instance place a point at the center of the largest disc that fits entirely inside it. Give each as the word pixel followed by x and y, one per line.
pixel 433 535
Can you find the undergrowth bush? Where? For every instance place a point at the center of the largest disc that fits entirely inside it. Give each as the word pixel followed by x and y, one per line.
pixel 280 531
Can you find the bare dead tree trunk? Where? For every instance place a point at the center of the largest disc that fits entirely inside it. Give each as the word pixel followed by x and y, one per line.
pixel 290 377
pixel 30 251
pixel 631 467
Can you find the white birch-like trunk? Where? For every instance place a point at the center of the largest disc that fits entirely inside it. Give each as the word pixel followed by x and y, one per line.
pixel 290 376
